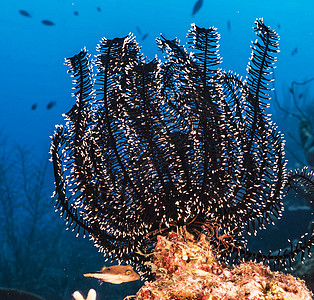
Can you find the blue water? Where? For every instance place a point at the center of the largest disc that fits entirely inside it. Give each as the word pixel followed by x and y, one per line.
pixel 32 53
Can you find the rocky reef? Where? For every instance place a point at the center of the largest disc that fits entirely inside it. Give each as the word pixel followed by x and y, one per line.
pixel 187 268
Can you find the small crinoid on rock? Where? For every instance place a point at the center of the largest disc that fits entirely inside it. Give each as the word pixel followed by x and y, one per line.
pixel 187 269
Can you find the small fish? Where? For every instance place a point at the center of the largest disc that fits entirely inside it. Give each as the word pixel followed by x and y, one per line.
pixel 144 36
pixel 76 13
pixel 139 30
pixel 99 9
pixel 34 106
pixel 47 22
pixel 197 6
pixel 51 104
pixel 115 274
pixel 278 26
pixel 229 25
pixel 25 13
pixel 295 51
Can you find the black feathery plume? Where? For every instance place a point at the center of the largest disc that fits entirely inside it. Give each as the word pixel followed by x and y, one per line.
pixel 180 143
pixel 302 182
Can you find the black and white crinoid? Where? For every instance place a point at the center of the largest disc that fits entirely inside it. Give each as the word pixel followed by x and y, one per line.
pixel 181 142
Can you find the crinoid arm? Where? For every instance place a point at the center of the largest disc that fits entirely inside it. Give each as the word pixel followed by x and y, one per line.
pixel 302 182
pixel 283 259
pixel 82 198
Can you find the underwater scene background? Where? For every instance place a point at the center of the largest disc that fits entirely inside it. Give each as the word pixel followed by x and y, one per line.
pixel 37 254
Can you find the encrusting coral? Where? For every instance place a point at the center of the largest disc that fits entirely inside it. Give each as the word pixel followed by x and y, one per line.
pixel 187 268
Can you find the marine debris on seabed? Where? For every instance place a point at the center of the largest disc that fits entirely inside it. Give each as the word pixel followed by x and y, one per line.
pixel 187 268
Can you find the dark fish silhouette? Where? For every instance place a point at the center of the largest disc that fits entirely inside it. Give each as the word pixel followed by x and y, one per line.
pixel 25 13
pixel 98 9
pixel 197 6
pixel 139 30
pixel 51 104
pixel 47 22
pixel 278 26
pixel 76 13
pixel 144 36
pixel 295 51
pixel 34 106
pixel 229 25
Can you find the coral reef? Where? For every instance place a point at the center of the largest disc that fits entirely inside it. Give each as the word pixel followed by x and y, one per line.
pixel 305 271
pixel 150 146
pixel 188 269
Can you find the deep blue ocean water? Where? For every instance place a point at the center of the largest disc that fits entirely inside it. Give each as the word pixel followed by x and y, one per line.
pixel 33 74
pixel 32 54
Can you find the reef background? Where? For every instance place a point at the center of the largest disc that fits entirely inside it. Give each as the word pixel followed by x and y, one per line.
pixel 32 57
